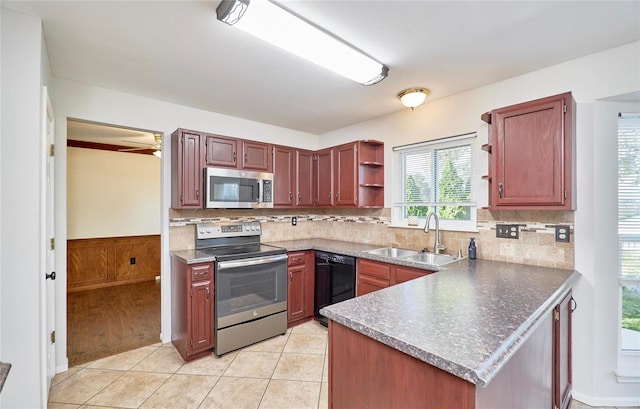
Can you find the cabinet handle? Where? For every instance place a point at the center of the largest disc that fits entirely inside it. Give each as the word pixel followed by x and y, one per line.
pixel 329 195
pixel 246 158
pixel 197 193
pixel 575 304
pixel 201 273
pixel 337 195
pixel 234 156
pixel 290 196
pixel 500 187
pixel 290 277
pixel 207 293
pixel 299 195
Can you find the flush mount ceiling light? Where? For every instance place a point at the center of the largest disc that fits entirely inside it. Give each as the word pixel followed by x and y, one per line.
pixel 413 97
pixel 275 25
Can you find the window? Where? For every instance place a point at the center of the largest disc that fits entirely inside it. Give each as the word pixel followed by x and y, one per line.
pixel 436 176
pixel 629 228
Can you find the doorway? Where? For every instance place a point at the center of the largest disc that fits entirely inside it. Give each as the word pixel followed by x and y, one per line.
pixel 113 239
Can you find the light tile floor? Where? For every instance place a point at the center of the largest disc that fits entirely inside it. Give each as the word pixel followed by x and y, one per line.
pixel 288 371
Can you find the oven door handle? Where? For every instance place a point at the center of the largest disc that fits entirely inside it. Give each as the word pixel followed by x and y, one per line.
pixel 223 265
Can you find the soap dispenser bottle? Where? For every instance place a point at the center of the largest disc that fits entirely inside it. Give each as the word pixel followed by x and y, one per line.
pixel 472 249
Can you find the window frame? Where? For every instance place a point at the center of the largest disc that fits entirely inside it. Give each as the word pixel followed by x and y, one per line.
pixel 398 218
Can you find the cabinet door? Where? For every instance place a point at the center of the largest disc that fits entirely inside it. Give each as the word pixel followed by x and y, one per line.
pixel 346 171
pixel 221 151
pixel 255 156
pixel 530 155
pixel 562 354
pixel 402 274
pixel 323 178
pixel 283 176
pixel 372 276
pixel 296 293
pixel 368 284
pixel 201 315
pixel 187 172
pixel 303 178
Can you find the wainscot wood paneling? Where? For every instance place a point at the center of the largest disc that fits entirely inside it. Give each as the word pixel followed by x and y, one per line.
pixel 103 262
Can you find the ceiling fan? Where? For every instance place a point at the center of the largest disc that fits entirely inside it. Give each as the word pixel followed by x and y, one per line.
pixel 156 147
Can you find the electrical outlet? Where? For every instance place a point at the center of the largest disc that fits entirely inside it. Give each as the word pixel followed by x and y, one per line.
pixel 132 260
pixel 294 221
pixel 508 231
pixel 563 234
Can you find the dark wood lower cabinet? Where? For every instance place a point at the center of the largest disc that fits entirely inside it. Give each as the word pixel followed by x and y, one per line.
pixel 300 273
pixel 192 306
pixel 364 373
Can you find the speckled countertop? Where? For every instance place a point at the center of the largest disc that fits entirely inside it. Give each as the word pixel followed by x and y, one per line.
pixel 468 320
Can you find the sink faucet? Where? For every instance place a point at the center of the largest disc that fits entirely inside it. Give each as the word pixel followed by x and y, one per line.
pixel 437 247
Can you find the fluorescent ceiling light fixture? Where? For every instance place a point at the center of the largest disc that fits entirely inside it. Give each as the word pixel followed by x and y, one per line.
pixel 413 97
pixel 275 25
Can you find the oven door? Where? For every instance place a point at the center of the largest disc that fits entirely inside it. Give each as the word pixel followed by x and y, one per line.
pixel 249 289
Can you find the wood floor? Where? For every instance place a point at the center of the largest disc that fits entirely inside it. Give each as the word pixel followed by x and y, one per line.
pixel 107 321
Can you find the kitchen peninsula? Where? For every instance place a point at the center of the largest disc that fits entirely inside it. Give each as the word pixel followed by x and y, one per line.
pixel 480 334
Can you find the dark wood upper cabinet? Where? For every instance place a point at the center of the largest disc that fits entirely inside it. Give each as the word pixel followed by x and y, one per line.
pixel 323 178
pixel 221 151
pixel 187 162
pixel 532 155
pixel 348 175
pixel 370 173
pixel 283 176
pixel 255 156
pixel 304 178
pixel 346 171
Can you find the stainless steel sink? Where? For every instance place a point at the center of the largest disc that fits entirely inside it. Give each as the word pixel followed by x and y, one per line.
pixel 393 252
pixel 432 259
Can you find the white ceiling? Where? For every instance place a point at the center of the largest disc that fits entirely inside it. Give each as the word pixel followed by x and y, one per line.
pixel 177 51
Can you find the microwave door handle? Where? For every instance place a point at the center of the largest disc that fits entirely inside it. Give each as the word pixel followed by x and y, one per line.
pixel 260 188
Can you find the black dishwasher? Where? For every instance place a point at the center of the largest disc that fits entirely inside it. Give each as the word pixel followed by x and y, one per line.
pixel 335 281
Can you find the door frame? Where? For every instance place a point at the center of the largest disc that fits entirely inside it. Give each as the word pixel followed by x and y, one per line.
pixel 47 247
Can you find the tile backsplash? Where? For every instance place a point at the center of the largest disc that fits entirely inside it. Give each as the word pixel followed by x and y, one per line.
pixel 535 246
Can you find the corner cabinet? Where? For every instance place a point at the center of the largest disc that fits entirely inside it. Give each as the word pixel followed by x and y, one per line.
pixel 359 174
pixel 300 271
pixel 532 155
pixel 187 162
pixel 192 326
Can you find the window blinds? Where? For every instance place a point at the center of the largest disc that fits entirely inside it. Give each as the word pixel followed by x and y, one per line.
pixel 629 194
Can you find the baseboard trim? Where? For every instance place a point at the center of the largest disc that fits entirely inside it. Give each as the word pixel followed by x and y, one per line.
pixel 615 402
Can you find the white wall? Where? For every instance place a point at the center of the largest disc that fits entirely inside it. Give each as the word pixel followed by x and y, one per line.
pixel 111 194
pixel 606 74
pixel 22 72
pixel 75 100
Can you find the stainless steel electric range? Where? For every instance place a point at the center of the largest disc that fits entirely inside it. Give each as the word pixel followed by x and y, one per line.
pixel 250 285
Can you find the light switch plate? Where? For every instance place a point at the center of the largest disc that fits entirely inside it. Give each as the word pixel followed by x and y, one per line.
pixel 563 234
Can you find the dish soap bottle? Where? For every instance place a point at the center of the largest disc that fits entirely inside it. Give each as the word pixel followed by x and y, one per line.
pixel 472 249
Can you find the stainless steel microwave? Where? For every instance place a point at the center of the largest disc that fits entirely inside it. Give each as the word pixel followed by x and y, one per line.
pixel 237 189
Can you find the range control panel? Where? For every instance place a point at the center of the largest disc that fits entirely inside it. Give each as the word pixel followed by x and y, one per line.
pixel 230 229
